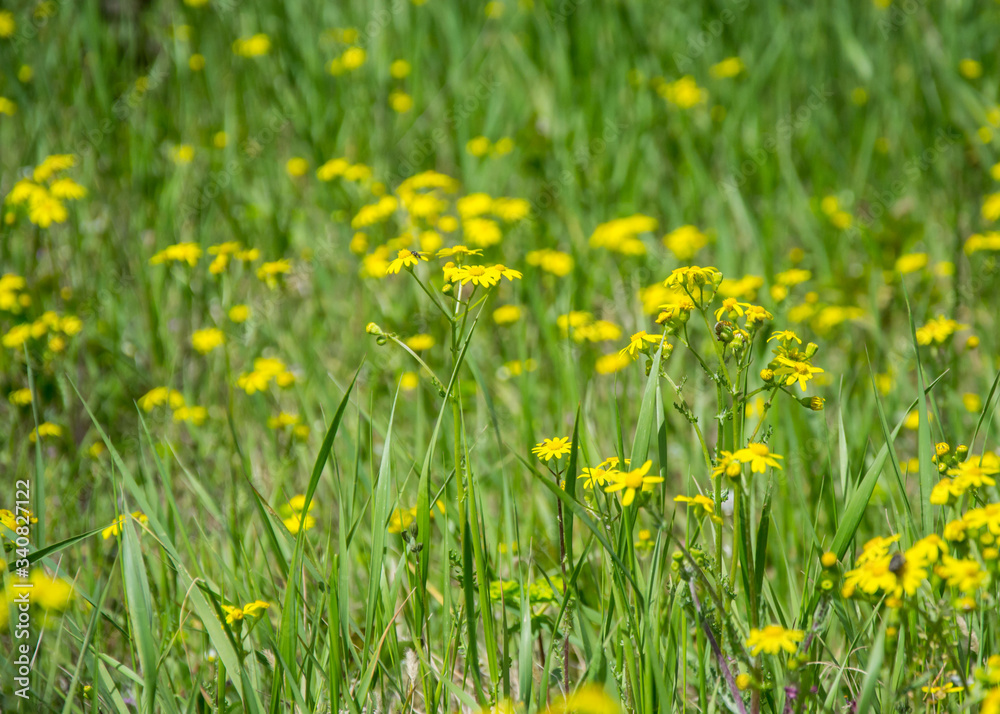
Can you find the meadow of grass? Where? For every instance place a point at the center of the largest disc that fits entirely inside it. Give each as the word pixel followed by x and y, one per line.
pixel 527 356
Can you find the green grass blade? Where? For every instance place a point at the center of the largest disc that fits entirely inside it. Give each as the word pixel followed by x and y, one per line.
pixel 140 610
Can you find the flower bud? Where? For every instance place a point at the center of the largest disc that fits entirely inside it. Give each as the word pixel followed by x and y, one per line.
pixel 814 403
pixel 767 374
pixel 811 349
pixel 372 329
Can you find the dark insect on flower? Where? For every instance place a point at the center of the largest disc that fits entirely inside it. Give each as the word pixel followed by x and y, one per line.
pixel 724 331
pixel 897 563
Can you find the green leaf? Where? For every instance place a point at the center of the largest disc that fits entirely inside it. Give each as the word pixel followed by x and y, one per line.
pixel 380 516
pixel 926 470
pixel 647 411
pixel 570 489
pixel 140 611
pixel 873 669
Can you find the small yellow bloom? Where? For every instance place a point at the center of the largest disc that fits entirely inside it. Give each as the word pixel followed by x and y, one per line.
pixel 554 448
pixel 409 381
pixel 970 68
pixel 179 253
pixel 401 102
pixel 20 397
pixel 632 481
pixel 283 420
pixel 7 24
pixel 699 501
pixel 296 166
pixel 207 339
pixel 637 343
pixel 269 272
pixel 405 258
pixel 772 639
pixel 353 58
pixel 399 69
pixel 115 528
pixel 972 402
pixel 479 146
pixel 685 242
pixel 45 429
pixel 421 342
pixel 506 314
pixel 191 414
pixel 239 313
pixel 758 456
pixel 611 363
pixel 253 46
pixel 684 93
pixel 182 154
pixel 729 67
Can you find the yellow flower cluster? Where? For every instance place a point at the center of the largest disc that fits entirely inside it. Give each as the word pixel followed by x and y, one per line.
pixel 223 252
pixel 745 288
pixel 285 420
pixel 621 235
pixel 480 146
pixel 551 261
pixel 975 472
pixel 178 253
pixel 938 331
pixel 12 299
pixel 265 370
pixel 270 271
pixel 699 284
pixel 43 194
pixel 830 205
pixel 792 365
pixel 376 212
pixel 684 242
pixel 990 240
pixel 49 323
pixel 582 327
pixel 342 168
pixel 175 400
